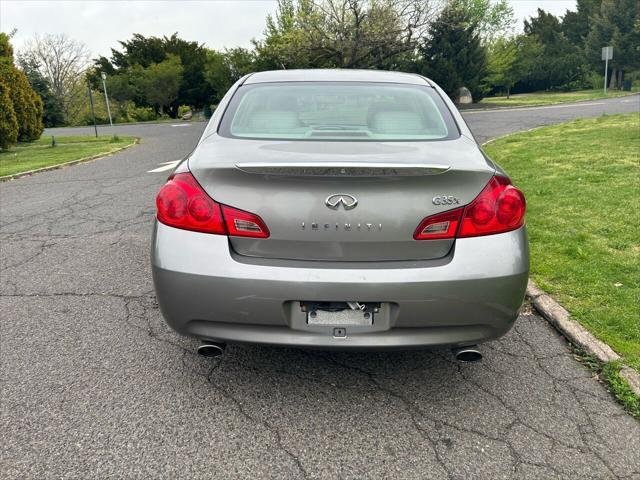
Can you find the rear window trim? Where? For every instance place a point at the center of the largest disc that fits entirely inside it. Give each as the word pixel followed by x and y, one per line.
pixel 223 127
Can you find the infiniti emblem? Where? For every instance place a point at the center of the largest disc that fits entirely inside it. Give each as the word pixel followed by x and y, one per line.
pixel 347 201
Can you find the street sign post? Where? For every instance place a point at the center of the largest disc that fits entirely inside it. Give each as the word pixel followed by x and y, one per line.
pixel 93 115
pixel 607 54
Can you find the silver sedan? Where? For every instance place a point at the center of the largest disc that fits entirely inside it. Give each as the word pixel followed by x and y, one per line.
pixel 339 209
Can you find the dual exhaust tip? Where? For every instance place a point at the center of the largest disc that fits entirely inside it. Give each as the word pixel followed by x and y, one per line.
pixel 462 354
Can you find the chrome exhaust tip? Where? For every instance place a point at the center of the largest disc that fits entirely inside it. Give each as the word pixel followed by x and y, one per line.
pixel 211 350
pixel 467 354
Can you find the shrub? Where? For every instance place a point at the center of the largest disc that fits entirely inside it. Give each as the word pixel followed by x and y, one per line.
pixel 182 109
pixel 128 112
pixel 634 77
pixel 28 107
pixel 143 114
pixel 8 121
pixel 121 111
pixel 23 101
pixel 595 80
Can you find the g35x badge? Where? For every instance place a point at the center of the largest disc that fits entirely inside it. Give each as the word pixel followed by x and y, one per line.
pixel 445 200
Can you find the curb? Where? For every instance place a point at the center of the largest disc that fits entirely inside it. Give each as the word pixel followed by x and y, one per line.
pixel 15 176
pixel 633 379
pixel 491 140
pixel 561 319
pixel 150 122
pixel 489 109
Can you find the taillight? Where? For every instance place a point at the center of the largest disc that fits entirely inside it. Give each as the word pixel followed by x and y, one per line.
pixel 499 208
pixel 244 224
pixel 440 226
pixel 182 203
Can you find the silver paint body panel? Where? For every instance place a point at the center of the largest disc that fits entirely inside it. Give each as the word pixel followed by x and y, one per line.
pixel 470 296
pixel 440 292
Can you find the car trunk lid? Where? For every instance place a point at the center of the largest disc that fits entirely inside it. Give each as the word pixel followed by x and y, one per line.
pixel 341 201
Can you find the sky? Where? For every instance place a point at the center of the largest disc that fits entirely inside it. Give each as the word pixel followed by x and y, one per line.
pixel 216 23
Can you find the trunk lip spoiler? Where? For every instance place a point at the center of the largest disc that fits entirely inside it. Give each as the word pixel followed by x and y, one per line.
pixel 340 169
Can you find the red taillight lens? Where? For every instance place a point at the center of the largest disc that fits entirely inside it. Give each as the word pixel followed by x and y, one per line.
pixel 499 208
pixel 244 224
pixel 440 226
pixel 182 203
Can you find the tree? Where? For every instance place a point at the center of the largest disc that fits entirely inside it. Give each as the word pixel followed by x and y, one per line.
pixel 141 53
pixel 452 55
pixel 160 84
pixel 125 86
pixel 286 44
pixel 62 62
pixel 8 120
pixel 192 56
pixel 25 104
pixel 552 61
pixel 615 24
pixel 576 25
pixel 502 64
pixel 52 116
pixel 223 69
pixel 493 18
pixel 140 50
pixel 343 33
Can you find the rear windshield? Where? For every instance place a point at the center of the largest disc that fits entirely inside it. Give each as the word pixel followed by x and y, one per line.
pixel 338 111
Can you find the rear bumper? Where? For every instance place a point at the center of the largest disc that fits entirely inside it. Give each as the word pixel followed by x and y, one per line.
pixel 471 296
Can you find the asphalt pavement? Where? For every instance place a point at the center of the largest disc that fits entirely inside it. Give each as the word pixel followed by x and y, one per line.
pixel 95 385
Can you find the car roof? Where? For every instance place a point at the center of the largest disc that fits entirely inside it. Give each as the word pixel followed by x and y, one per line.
pixel 335 75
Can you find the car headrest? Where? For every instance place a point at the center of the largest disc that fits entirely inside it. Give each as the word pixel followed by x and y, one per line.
pixel 396 121
pixel 273 120
pixel 284 102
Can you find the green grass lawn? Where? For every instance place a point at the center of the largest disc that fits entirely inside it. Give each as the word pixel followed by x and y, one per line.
pixel 548 98
pixel 582 183
pixel 29 156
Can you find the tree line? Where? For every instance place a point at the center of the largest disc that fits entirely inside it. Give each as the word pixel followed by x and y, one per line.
pixel 565 53
pixel 457 43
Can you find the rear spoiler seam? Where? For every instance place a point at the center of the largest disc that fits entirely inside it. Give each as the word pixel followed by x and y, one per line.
pixel 337 169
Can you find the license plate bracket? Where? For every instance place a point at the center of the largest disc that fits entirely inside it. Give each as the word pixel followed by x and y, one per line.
pixel 340 313
pixel 340 317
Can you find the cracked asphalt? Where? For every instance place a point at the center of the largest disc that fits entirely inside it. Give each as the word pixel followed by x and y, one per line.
pixel 95 385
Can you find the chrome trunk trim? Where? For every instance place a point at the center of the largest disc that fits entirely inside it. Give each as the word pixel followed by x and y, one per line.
pixel 340 169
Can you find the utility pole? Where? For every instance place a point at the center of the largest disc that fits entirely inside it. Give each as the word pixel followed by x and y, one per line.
pixel 93 115
pixel 607 54
pixel 104 86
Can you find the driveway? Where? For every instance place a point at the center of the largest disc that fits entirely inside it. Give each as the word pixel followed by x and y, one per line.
pixel 95 385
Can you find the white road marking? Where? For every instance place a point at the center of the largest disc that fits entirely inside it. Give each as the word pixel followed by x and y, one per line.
pixel 573 105
pixel 180 124
pixel 165 166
